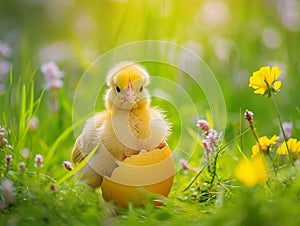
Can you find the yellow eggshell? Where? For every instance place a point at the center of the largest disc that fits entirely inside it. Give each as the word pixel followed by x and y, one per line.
pixel 138 177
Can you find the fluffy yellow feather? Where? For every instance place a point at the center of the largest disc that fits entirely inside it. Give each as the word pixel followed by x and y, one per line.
pixel 127 126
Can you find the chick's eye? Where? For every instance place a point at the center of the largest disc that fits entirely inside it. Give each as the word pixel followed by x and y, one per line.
pixel 118 89
pixel 141 89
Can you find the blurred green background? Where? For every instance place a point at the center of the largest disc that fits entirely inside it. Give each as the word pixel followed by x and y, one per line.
pixel 234 38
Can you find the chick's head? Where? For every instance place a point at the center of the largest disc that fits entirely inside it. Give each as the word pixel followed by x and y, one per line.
pixel 127 82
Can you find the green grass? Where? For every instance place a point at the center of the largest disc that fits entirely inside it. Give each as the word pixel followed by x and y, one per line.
pixel 74 34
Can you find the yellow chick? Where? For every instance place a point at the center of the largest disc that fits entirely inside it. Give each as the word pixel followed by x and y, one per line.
pixel 127 126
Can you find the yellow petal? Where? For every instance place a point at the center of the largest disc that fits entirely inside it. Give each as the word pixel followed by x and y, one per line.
pixel 252 172
pixel 277 85
pixel 252 81
pixel 265 71
pixel 257 84
pixel 258 75
pixel 275 72
pixel 282 149
pixel 255 149
pixel 245 173
pixel 298 146
pixel 269 78
pixel 256 78
pixel 273 140
pixel 264 139
pixel 261 169
pixel 260 91
pixel 292 145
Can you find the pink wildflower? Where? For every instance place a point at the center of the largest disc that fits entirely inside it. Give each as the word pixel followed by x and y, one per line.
pixel 68 165
pixel 25 152
pixel 4 69
pixel 39 160
pixel 211 135
pixel 52 75
pixel 22 165
pixel 52 187
pixel 203 124
pixel 184 165
pixel 5 50
pixel 2 132
pixel 8 191
pixel 8 160
pixel 33 123
pixel 3 141
pixel 249 116
pixel 207 147
pixel 287 127
pixel 55 84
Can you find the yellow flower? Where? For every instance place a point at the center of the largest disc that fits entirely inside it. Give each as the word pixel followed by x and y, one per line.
pixel 265 144
pixel 253 171
pixel 293 145
pixel 264 80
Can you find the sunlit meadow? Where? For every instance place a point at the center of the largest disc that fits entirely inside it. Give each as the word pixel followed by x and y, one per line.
pixel 244 174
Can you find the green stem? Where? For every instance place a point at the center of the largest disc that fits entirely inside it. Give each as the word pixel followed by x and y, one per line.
pixel 6 171
pixel 272 161
pixel 270 156
pixel 37 175
pixel 282 130
pixel 275 167
pixel 214 169
pixel 255 134
pixel 241 138
pixel 41 175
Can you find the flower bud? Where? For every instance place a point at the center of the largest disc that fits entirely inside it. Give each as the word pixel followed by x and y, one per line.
pixel 68 165
pixel 203 124
pixel 38 161
pixel 249 116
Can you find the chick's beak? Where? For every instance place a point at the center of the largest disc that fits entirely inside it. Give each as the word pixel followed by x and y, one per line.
pixel 130 97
